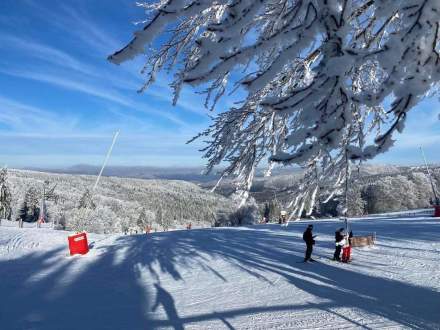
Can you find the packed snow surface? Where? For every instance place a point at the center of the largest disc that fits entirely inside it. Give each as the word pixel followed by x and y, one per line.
pixel 225 278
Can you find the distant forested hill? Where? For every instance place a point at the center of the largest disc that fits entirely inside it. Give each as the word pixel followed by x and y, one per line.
pixel 373 189
pixel 120 202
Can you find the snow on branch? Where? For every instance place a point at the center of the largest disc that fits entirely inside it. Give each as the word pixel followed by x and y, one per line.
pixel 320 77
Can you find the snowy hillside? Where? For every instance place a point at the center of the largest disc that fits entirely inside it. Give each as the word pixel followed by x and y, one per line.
pixel 231 278
pixel 120 201
pixel 374 189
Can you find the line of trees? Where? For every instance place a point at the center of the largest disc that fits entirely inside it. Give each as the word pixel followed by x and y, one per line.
pixel 120 205
pixel 406 189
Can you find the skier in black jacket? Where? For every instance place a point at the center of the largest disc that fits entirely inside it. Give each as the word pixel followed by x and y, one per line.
pixel 310 241
pixel 339 237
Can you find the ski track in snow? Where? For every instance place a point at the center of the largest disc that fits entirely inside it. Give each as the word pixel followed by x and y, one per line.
pixel 223 278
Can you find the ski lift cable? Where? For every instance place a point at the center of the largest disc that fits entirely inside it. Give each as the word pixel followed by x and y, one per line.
pixel 107 157
pixel 115 137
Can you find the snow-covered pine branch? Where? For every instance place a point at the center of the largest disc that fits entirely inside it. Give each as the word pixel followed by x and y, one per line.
pixel 325 81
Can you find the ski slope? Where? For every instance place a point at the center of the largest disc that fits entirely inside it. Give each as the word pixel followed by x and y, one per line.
pixel 223 278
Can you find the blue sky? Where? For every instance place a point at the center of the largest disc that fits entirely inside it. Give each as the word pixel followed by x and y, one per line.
pixel 61 101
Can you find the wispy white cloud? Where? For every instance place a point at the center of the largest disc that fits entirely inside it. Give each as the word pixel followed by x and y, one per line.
pixel 45 53
pixel 88 31
pixel 96 40
pixel 95 90
pixel 89 79
pixel 71 55
pixel 29 121
pixel 56 57
pixel 74 20
pixel 23 117
pixel 123 77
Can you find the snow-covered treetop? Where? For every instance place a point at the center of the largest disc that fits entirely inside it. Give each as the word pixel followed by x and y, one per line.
pixel 320 76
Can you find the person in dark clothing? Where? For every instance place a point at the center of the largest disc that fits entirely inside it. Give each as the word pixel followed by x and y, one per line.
pixel 339 237
pixel 350 236
pixel 310 241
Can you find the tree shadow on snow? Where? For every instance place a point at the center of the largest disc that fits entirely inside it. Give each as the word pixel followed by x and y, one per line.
pixel 126 285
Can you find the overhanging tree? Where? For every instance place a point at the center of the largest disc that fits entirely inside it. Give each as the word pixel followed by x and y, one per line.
pixel 326 82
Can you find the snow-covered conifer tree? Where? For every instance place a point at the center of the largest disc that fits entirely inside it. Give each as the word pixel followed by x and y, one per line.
pixel 30 209
pixel 86 201
pixel 146 218
pixel 23 212
pixel 163 220
pixel 319 76
pixel 81 217
pixel 5 196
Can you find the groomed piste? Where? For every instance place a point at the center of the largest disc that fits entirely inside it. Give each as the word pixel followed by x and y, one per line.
pixel 224 278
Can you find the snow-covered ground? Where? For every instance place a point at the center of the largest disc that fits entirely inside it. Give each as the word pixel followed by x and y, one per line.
pixel 231 278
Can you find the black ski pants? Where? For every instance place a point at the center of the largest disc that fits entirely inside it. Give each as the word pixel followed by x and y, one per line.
pixel 337 255
pixel 309 251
